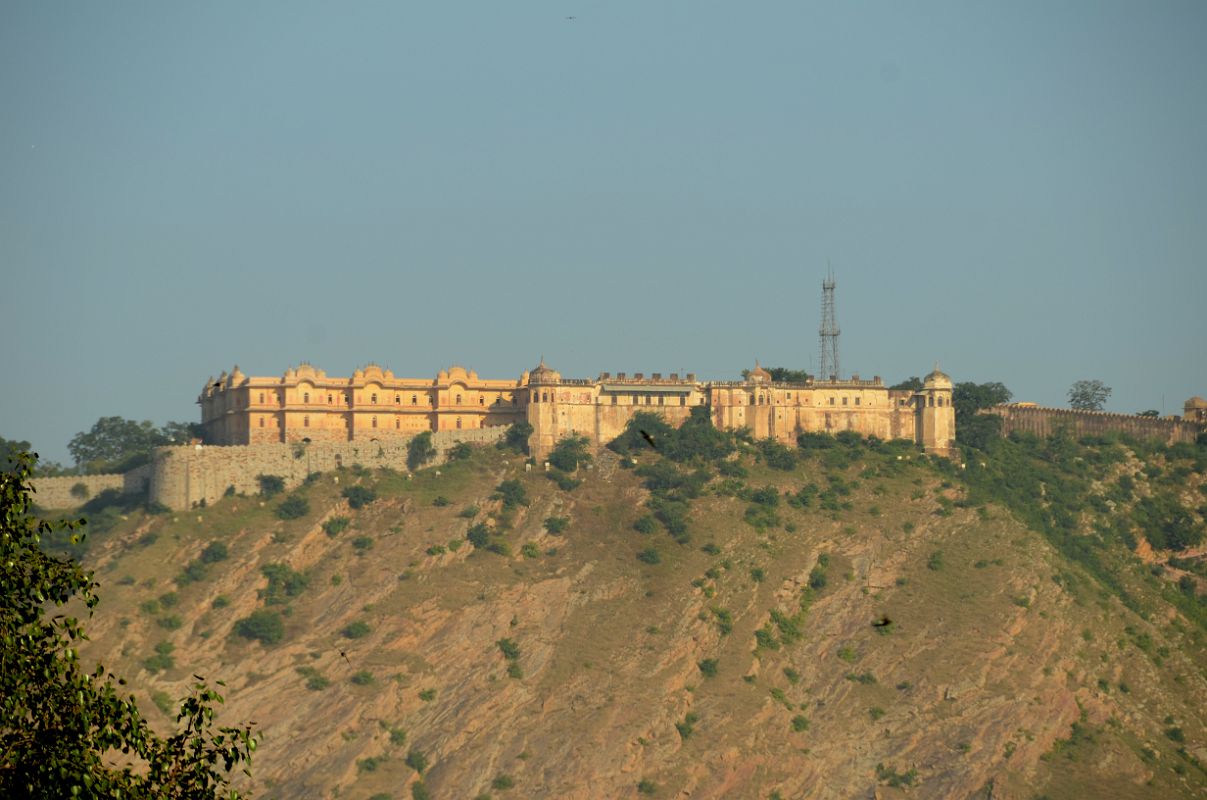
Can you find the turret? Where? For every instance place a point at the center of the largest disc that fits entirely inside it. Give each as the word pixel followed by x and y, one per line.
pixel 936 417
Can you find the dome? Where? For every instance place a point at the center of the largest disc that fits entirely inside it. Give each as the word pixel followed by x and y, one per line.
pixel 758 374
pixel 543 374
pixel 937 379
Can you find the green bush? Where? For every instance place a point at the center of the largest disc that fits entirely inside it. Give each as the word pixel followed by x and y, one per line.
pixel 556 524
pixel 284 582
pixel 416 760
pixel 512 493
pixel 271 485
pixel 688 726
pixel 649 556
pixel 757 574
pixel 708 667
pixel 362 544
pixel 362 678
pixel 646 786
pixel 935 562
pixel 221 601
pixel 359 496
pixel 478 535
pixel 469 512
pixel 570 452
pixel 517 437
pixel 461 451
pixel 263 625
pixel 335 526
pixel 509 649
pixel 419 791
pixel 293 507
pixel 171 622
pixel 356 630
pixel 645 524
pixel 800 723
pixel 530 550
pixel 440 501
pixel 214 552
pixel 436 550
pixel 502 783
pixel 420 450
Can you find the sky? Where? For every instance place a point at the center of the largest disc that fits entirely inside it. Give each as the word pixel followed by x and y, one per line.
pixel 1016 191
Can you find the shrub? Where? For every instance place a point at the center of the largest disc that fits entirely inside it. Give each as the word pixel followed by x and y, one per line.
pixel 440 501
pixel 645 524
pixel 800 723
pixel 356 630
pixel 420 450
pixel 169 599
pixel 221 601
pixel 935 562
pixel 460 451
pixel 687 726
pixel 478 535
pixel 369 764
pixel 359 496
pixel 499 548
pixel 416 761
pixel 711 548
pixel 436 550
pixel 270 485
pixel 777 455
pixel 708 667
pixel 215 552
pixel 875 712
pixel 890 776
pixel 362 678
pixel 502 783
pixel 646 786
pixel 263 625
pixel 427 695
pixel 649 556
pixel 171 622
pixel 80 491
pixel 509 649
pixel 419 791
pixel 293 507
pixel 530 550
pixel 569 453
pixel 556 524
pixel 469 512
pixel 336 525
pixel 283 582
pixel 847 654
pixel 792 675
pixel 517 437
pixel 512 493
pixel 757 574
pixel 362 544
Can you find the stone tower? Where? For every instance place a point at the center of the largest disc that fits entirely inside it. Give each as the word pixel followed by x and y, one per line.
pixel 543 409
pixel 936 418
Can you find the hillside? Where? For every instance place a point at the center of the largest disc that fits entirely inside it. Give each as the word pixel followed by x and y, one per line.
pixel 1021 649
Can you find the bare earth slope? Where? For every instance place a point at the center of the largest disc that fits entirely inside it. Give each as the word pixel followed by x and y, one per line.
pixel 1001 670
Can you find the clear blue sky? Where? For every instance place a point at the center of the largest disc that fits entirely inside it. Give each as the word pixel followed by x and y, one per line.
pixel 1017 190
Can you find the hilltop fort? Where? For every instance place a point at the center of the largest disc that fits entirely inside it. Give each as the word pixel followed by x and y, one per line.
pixel 306 405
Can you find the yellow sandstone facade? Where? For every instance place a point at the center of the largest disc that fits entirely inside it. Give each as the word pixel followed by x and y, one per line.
pixel 305 404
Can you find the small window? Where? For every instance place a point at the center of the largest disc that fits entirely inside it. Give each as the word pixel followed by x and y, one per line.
pixel 481 400
pixel 306 421
pixel 682 399
pixel 373 398
pixel 414 400
pixel 261 422
pixel 375 422
pixel 397 423
pixel 613 399
pixel 458 423
pixel 831 401
pixel 330 399
pixel 844 401
pixel 305 397
pixel 261 397
pixel 932 401
pixel 789 395
pixel 513 400
pixel 660 399
pixel 544 397
pixel 458 399
pixel 397 399
pixel 857 401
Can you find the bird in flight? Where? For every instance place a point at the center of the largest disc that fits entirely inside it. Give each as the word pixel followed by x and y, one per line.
pixel 344 656
pixel 571 18
pixel 649 439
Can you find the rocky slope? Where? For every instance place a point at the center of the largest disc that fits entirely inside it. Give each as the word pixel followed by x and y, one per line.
pixel 566 667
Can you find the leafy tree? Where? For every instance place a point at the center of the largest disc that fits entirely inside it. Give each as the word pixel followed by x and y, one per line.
pixel 517 437
pixel 973 429
pixel 359 496
pixel 1152 412
pixel 512 493
pixel 9 449
pixel 115 444
pixel 214 552
pixel 420 450
pixel 1088 395
pixel 460 451
pixel 570 452
pixel 60 726
pixel 293 507
pixel 270 485
pixel 263 625
pixel 182 432
pixel 785 375
pixel 912 384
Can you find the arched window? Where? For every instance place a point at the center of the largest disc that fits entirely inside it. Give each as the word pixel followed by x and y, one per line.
pixel 330 399
pixel 481 400
pixel 261 397
pixel 305 397
pixel 261 422
pixel 414 400
pixel 397 423
pixel 458 423
pixel 397 399
pixel 306 421
pixel 544 397
pixel 375 422
pixel 373 398
pixel 458 399
pixel 932 401
pixel 857 401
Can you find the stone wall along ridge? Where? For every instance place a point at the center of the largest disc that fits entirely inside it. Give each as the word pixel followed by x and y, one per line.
pixel 1042 421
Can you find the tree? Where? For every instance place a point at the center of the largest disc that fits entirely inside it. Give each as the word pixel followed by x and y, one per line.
pixel 973 429
pixel 420 450
pixel 1152 412
pixel 115 444
pixel 517 437
pixel 182 432
pixel 913 384
pixel 61 726
pixel 9 448
pixel 1088 395
pixel 570 452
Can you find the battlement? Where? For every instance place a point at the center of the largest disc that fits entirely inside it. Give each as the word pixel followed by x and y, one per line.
pixel 1044 421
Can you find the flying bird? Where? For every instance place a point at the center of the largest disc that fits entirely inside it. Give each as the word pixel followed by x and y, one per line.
pixel 344 656
pixel 649 439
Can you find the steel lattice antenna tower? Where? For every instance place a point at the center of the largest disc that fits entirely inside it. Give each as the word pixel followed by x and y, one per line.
pixel 828 369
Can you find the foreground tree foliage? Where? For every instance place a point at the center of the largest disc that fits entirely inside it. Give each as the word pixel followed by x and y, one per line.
pixel 65 732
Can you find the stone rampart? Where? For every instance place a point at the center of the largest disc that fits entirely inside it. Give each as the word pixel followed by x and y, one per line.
pixel 1043 422
pixel 186 475
pixel 56 492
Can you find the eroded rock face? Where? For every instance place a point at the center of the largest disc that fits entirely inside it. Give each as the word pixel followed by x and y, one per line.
pixel 983 670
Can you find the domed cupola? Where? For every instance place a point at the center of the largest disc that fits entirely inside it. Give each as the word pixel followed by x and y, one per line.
pixel 543 374
pixel 758 374
pixel 937 380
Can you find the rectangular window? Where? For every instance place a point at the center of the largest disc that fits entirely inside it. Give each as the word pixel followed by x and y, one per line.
pixel 856 401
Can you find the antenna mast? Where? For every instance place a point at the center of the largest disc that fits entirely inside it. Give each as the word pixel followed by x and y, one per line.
pixel 829 329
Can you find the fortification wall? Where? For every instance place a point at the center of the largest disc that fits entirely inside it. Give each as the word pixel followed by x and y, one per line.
pixel 56 492
pixel 1042 421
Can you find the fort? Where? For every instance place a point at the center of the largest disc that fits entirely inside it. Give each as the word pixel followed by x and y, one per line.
pixel 305 421
pixel 304 404
pixel 1041 421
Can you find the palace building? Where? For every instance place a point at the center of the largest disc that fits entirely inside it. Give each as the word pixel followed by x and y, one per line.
pixel 305 404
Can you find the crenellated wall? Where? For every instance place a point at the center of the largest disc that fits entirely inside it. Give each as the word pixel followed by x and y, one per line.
pixel 1042 421
pixel 56 492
